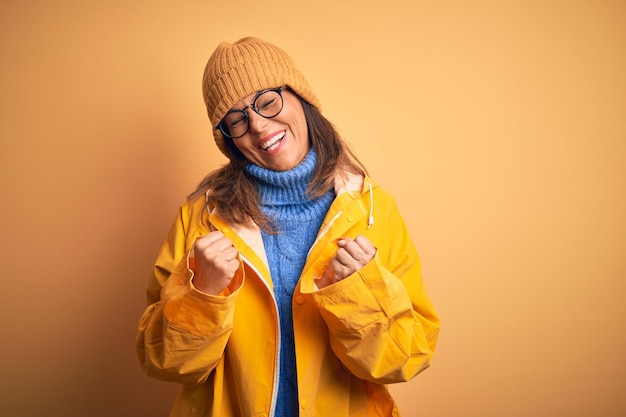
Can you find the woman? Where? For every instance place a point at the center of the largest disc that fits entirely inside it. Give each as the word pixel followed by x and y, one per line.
pixel 288 284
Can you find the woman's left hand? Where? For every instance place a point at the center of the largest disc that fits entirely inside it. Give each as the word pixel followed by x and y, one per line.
pixel 352 255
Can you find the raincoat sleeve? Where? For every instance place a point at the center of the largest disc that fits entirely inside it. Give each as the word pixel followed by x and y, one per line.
pixel 382 324
pixel 183 332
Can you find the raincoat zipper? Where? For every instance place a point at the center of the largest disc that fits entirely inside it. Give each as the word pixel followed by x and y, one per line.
pixel 370 220
pixel 278 342
pixel 323 232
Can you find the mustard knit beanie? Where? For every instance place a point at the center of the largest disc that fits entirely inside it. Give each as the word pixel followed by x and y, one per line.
pixel 237 70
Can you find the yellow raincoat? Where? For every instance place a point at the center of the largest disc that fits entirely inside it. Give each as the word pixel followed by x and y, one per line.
pixel 373 328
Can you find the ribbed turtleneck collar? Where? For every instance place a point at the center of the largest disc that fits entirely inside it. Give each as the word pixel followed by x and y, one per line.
pixel 278 188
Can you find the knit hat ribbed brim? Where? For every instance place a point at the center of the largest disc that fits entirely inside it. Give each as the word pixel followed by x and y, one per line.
pixel 237 70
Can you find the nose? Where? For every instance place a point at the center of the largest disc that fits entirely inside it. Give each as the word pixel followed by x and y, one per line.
pixel 256 122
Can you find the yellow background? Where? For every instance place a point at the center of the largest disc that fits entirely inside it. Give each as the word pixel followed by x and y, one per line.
pixel 500 127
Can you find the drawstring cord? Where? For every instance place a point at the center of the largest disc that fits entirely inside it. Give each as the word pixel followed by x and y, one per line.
pixel 208 226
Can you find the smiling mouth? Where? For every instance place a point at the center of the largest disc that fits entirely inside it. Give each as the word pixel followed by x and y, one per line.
pixel 273 143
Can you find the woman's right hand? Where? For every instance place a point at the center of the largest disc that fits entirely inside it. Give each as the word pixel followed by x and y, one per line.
pixel 216 261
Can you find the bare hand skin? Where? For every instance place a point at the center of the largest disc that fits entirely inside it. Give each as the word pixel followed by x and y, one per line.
pixel 216 262
pixel 352 255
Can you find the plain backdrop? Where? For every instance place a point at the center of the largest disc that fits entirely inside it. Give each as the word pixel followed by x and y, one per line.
pixel 500 127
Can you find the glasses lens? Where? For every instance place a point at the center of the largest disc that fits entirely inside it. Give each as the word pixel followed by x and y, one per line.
pixel 269 103
pixel 235 124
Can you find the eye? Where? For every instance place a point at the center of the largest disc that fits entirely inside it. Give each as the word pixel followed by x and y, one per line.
pixel 235 122
pixel 235 119
pixel 267 103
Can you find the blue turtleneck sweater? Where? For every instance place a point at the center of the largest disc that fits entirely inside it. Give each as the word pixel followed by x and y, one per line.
pixel 297 219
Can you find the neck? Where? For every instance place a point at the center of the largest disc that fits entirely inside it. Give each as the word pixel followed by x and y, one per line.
pixel 278 188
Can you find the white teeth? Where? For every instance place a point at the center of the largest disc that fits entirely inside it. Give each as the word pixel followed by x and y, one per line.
pixel 273 141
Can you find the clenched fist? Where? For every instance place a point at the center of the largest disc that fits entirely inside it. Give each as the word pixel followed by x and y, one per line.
pixel 352 255
pixel 216 261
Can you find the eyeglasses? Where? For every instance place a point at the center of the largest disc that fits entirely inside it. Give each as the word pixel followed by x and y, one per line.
pixel 267 103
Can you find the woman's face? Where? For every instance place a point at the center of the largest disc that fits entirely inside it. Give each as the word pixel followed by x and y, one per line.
pixel 279 143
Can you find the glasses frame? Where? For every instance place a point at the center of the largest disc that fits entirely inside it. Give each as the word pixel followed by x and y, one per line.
pixel 252 106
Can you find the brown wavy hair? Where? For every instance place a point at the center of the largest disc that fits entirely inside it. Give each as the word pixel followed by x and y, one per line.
pixel 235 193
